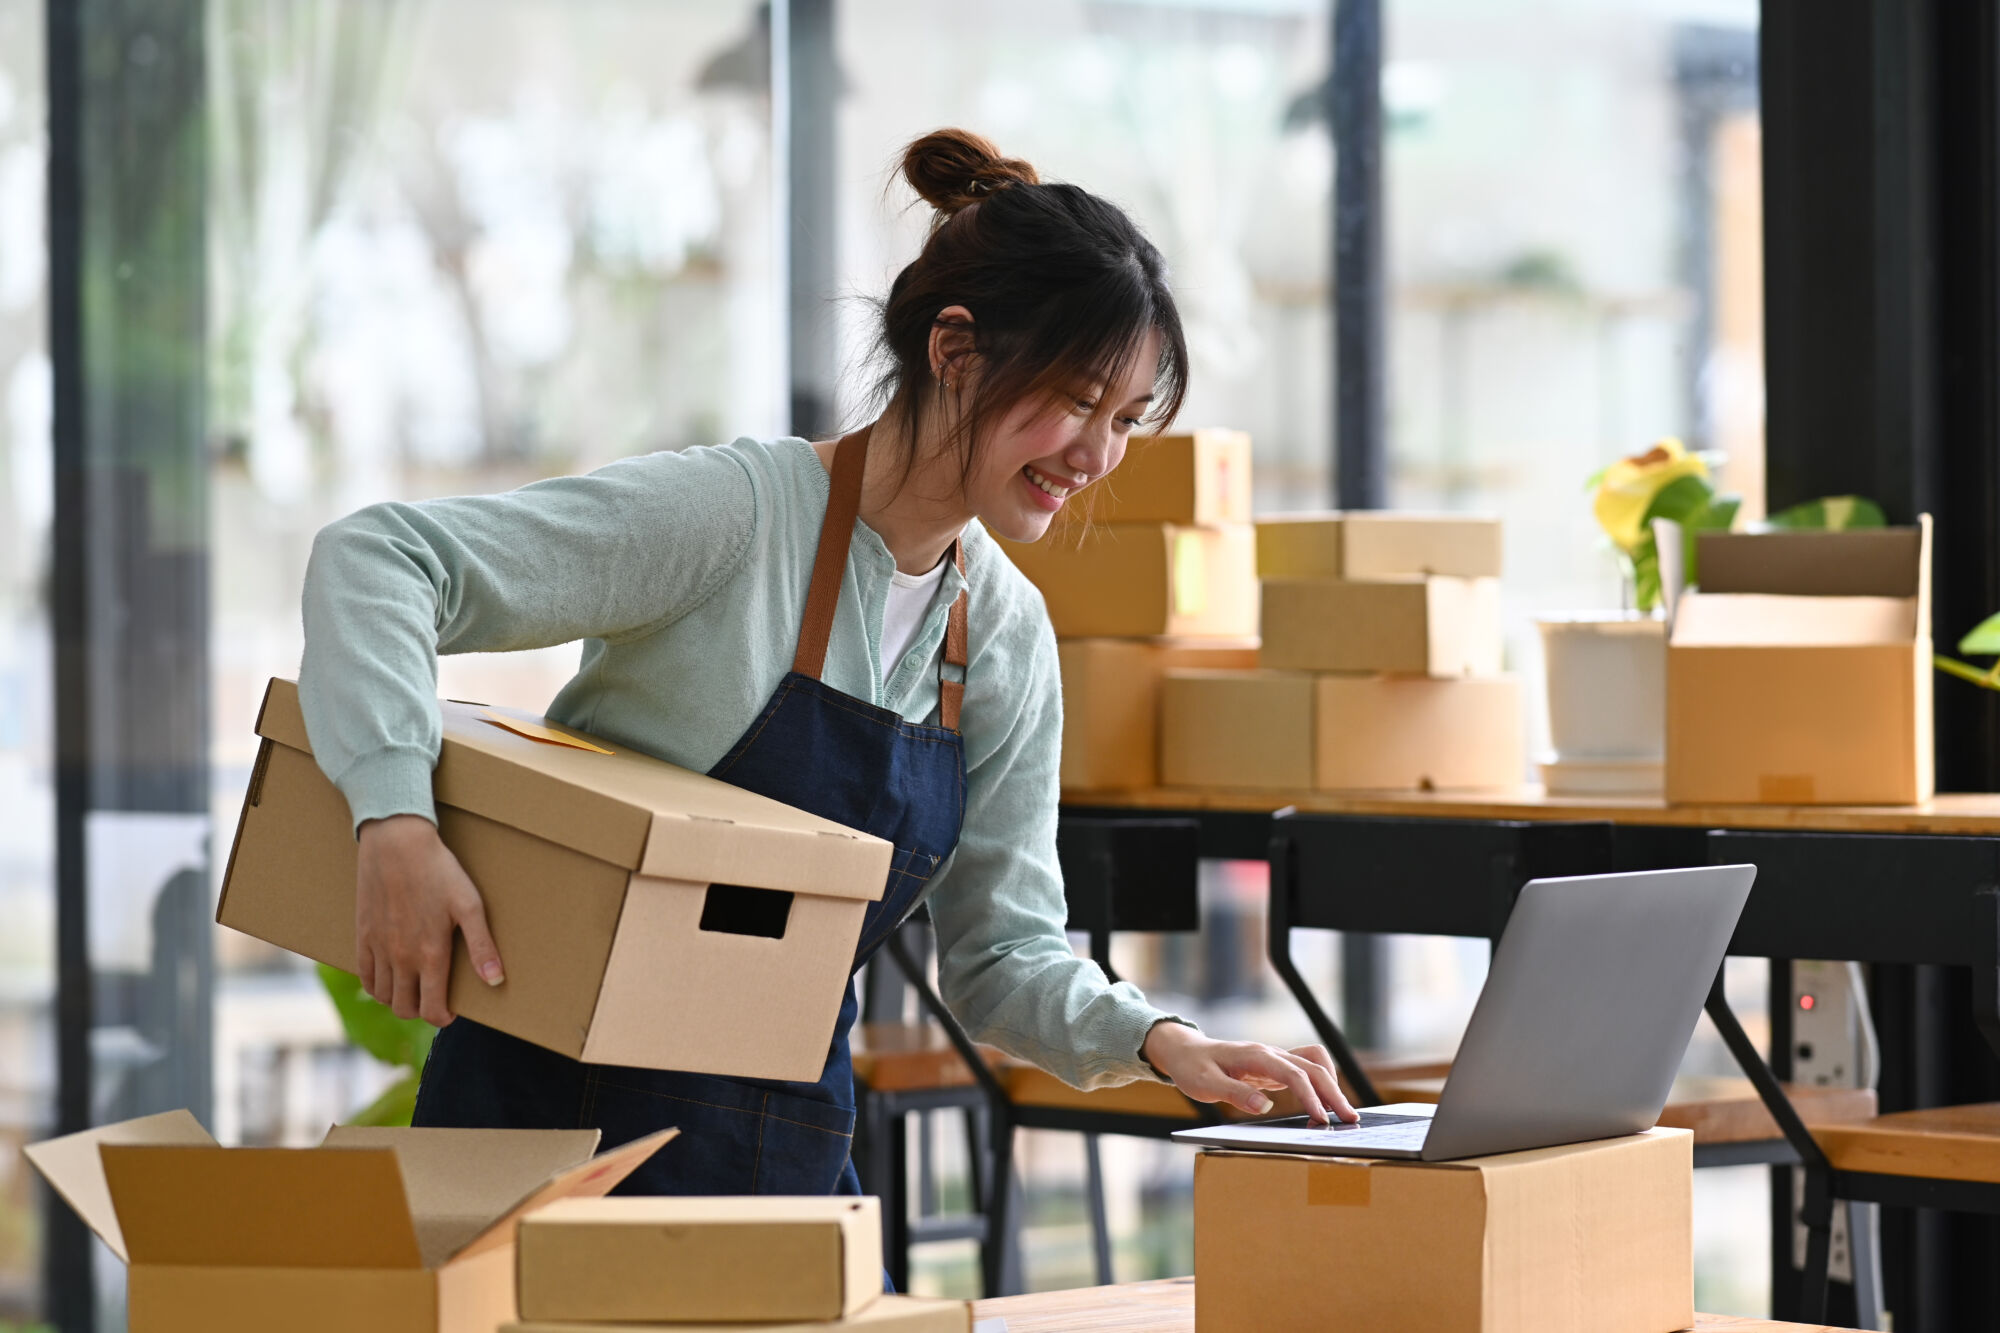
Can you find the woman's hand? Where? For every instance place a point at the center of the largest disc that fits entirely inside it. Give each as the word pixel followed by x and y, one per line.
pixel 1240 1072
pixel 411 894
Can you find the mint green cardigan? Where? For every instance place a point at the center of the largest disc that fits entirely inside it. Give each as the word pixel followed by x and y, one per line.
pixel 685 574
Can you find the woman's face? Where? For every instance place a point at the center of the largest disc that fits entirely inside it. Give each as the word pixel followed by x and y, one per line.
pixel 1041 456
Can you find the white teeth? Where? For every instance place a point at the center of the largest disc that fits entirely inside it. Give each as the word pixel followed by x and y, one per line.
pixel 1059 492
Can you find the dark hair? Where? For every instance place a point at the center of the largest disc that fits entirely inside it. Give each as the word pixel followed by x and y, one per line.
pixel 1061 285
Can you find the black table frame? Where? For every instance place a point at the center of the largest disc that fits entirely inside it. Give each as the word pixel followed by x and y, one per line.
pixel 1818 895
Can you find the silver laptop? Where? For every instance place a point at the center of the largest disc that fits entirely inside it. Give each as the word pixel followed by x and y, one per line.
pixel 1593 995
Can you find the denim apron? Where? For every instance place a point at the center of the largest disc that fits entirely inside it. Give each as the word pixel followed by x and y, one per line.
pixel 815 748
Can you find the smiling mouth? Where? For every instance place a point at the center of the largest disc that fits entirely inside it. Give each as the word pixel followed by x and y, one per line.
pixel 1059 492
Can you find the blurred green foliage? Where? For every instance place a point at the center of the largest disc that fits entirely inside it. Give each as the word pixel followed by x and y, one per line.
pixel 399 1042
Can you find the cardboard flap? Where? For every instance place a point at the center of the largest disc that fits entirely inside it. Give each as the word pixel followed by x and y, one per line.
pixel 74 1167
pixel 1870 562
pixel 281 718
pixel 460 1180
pixel 1712 620
pixel 261 1207
pixel 589 1180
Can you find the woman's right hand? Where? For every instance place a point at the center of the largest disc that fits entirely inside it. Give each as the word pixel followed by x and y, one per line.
pixel 410 896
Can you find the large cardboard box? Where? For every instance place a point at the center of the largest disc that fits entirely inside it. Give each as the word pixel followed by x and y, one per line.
pixel 647 915
pixel 1412 626
pixel 1800 671
pixel 1587 1238
pixel 1413 733
pixel 1111 704
pixel 1199 479
pixel 1289 730
pixel 764 1258
pixel 888 1314
pixel 1145 580
pixel 388 1230
pixel 1377 545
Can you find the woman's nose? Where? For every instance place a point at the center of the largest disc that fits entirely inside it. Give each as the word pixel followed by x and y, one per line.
pixel 1094 450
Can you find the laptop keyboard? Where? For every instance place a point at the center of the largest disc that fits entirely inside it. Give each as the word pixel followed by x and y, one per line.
pixel 1374 1131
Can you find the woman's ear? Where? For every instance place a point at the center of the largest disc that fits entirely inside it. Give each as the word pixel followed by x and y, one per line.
pixel 952 343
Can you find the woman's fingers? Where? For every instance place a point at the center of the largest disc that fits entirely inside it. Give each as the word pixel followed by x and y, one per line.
pixel 1319 1067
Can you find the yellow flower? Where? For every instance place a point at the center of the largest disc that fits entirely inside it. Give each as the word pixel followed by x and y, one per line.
pixel 1630 484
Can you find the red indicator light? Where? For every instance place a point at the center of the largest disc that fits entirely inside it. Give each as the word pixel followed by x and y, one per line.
pixel 1806 1002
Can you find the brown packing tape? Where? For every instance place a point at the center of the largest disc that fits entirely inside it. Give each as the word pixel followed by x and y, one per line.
pixel 1338 1184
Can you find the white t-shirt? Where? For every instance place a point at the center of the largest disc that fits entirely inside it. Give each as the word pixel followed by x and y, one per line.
pixel 909 599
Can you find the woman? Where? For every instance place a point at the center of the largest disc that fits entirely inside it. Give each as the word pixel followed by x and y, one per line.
pixel 922 703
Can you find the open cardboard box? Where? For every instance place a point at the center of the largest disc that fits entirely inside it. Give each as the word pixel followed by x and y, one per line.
pixel 388 1230
pixel 769 1258
pixel 1585 1238
pixel 1145 580
pixel 1111 704
pixel 1289 730
pixel 1377 545
pixel 647 915
pixel 1409 625
pixel 1800 671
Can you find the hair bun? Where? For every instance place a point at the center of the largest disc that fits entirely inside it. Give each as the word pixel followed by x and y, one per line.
pixel 953 168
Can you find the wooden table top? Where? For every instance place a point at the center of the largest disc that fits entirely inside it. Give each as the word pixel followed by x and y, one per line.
pixel 1167 1306
pixel 1968 813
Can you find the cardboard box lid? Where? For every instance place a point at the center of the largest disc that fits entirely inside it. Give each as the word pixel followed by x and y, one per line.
pixel 159 1190
pixel 624 807
pixel 1525 1159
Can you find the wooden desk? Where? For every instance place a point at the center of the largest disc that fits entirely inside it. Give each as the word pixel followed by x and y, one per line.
pixel 1971 814
pixel 1167 1306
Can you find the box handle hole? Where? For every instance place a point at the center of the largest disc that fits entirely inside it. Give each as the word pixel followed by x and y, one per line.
pixel 737 909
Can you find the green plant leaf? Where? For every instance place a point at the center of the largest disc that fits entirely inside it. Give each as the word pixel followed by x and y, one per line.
pixel 1681 500
pixel 1829 513
pixel 373 1026
pixel 1646 591
pixel 395 1108
pixel 1984 640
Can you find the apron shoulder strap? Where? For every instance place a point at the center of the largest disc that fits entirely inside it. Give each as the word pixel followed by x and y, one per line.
pixel 843 502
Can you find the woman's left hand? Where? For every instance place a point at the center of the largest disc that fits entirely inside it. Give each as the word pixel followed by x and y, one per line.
pixel 1240 1072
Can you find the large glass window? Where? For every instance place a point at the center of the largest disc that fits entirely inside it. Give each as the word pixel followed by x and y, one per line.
pixel 27 827
pixel 456 247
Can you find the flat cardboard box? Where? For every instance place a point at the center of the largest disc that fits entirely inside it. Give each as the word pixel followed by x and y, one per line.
pixel 1287 730
pixel 1586 1238
pixel 1111 704
pixel 888 1314
pixel 647 915
pixel 1145 580
pixel 1377 545
pixel 1800 671
pixel 767 1258
pixel 1411 626
pixel 1199 479
pixel 389 1230
pixel 1378 733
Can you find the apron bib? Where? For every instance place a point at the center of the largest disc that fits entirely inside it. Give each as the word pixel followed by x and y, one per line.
pixel 822 751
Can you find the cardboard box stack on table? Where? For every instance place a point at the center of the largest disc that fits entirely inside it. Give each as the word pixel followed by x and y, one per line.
pixel 1380 665
pixel 1156 571
pixel 693 1264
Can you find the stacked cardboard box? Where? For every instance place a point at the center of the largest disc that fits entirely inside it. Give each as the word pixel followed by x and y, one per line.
pixel 1155 571
pixel 1380 665
pixel 693 1264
